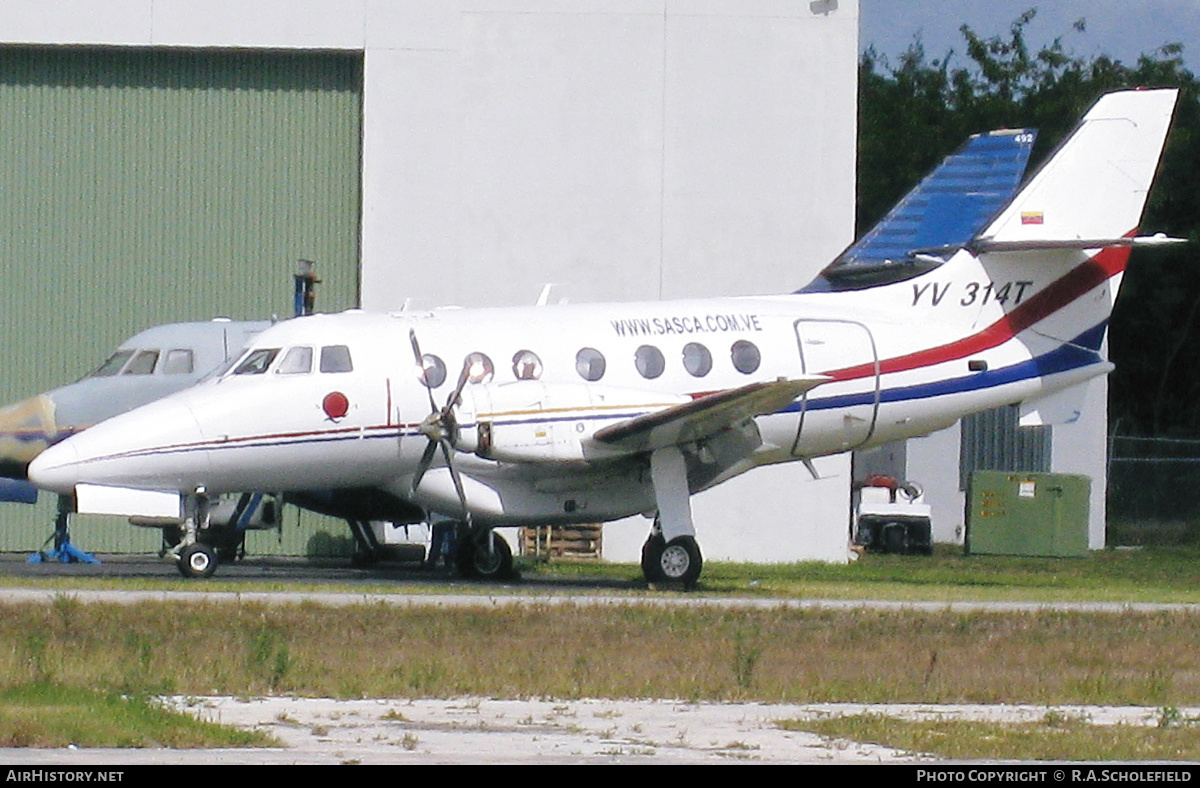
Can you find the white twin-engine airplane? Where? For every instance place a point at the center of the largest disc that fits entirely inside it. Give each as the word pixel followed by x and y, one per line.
pixel 589 413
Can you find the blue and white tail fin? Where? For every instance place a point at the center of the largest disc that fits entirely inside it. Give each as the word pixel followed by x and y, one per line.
pixel 953 202
pixel 944 211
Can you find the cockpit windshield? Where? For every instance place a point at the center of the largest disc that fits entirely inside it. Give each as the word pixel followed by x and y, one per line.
pixel 113 365
pixel 256 361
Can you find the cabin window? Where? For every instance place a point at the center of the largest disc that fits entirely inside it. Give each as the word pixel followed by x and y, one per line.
pixel 336 358
pixel 297 361
pixel 745 356
pixel 589 363
pixel 142 364
pixel 527 365
pixel 696 359
pixel 649 361
pixel 114 364
pixel 256 361
pixel 178 362
pixel 432 371
pixel 479 368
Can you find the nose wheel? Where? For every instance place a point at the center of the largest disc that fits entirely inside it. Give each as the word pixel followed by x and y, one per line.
pixel 197 560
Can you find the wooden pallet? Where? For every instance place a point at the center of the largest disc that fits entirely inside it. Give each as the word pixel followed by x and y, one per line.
pixel 572 542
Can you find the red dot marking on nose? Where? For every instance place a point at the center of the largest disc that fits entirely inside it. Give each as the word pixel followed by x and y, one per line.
pixel 335 405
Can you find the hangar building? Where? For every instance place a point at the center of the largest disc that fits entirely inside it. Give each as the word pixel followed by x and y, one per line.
pixel 170 160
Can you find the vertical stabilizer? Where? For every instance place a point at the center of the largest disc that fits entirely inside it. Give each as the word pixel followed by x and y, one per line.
pixel 1094 187
pixel 945 210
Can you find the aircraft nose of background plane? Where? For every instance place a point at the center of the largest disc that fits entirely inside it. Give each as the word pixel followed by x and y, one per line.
pixel 26 429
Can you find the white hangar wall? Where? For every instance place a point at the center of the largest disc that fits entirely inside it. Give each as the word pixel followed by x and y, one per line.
pixel 622 149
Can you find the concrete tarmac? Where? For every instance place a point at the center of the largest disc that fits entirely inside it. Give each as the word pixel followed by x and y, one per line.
pixel 489 731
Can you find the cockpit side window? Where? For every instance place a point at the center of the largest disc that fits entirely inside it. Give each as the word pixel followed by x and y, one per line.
pixel 179 361
pixel 114 364
pixel 143 363
pixel 256 361
pixel 336 358
pixel 297 361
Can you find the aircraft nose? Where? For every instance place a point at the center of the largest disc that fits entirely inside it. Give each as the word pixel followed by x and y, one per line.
pixel 26 429
pixel 56 468
pixel 151 447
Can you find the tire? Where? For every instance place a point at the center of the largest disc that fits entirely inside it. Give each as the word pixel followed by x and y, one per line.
pixel 481 563
pixel 895 538
pixel 651 556
pixel 362 559
pixel 197 561
pixel 680 561
pixel 677 561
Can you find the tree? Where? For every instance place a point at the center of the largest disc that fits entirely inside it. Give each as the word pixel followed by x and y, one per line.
pixel 914 114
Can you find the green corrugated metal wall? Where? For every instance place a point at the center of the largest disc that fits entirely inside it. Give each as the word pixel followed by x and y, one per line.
pixel 148 186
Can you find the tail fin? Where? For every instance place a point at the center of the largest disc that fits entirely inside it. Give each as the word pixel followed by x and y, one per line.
pixel 945 210
pixel 1090 194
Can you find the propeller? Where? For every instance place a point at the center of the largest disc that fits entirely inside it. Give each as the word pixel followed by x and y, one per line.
pixel 441 428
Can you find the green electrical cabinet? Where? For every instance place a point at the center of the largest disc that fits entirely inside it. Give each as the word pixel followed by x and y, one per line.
pixel 1015 513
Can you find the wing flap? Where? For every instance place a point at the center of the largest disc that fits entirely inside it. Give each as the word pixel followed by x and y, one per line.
pixel 705 415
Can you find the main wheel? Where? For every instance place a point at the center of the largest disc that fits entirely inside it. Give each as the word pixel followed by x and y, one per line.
pixel 197 560
pixel 482 562
pixel 677 561
pixel 651 553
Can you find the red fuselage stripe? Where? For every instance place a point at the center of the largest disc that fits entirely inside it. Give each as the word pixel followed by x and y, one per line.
pixel 1092 273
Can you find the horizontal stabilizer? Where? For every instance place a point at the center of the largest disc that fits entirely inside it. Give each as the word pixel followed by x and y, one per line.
pixel 706 415
pixel 982 245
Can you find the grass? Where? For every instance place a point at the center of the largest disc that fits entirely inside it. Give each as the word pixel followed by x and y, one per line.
pixel 1151 574
pixel 620 651
pixel 1125 575
pixel 48 714
pixel 1055 738
pixel 636 649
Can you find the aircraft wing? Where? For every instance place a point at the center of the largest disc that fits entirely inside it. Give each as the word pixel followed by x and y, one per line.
pixel 706 415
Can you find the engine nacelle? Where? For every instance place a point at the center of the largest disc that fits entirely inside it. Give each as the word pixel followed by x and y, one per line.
pixel 531 421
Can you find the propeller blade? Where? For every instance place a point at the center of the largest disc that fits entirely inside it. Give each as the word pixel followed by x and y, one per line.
pixel 412 338
pixel 417 355
pixel 423 465
pixel 458 486
pixel 458 390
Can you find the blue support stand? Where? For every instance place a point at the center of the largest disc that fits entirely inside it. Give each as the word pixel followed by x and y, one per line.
pixel 63 552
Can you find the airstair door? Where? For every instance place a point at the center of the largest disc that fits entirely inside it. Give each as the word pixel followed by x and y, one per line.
pixel 839 415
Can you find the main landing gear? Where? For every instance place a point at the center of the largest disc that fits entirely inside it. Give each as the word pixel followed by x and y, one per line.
pixel 671 553
pixel 676 561
pixel 485 555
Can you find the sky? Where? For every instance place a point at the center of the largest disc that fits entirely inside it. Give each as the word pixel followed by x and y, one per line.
pixel 1121 29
